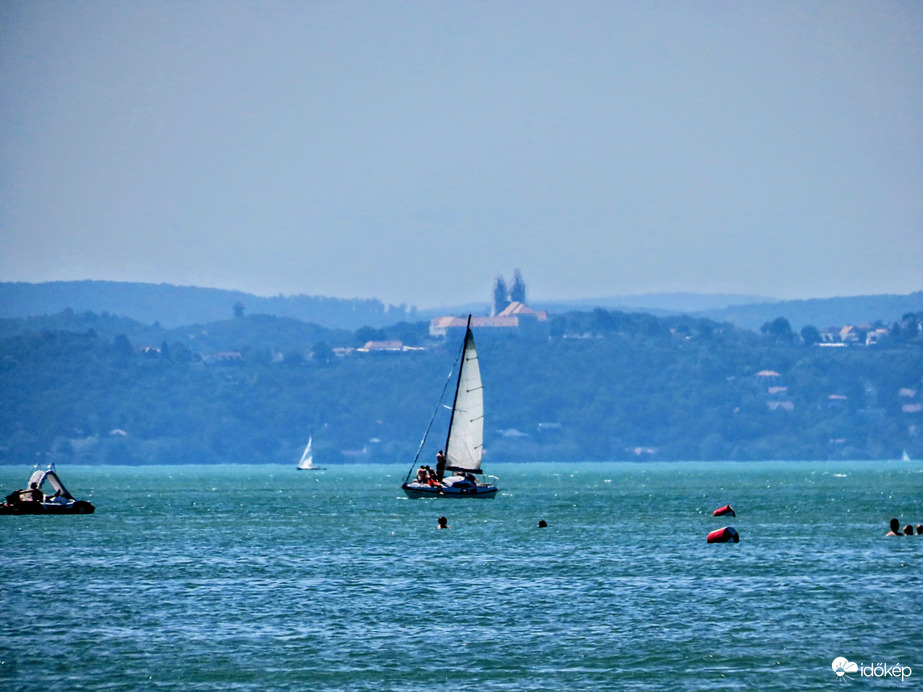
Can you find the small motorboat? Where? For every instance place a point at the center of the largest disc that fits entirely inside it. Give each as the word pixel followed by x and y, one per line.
pixel 34 500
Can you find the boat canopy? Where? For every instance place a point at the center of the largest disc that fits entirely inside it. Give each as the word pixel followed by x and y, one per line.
pixel 40 477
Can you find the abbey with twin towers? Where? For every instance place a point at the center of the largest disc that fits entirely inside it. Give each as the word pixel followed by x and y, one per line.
pixel 508 311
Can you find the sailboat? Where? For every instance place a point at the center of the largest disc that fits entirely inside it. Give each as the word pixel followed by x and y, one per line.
pixel 307 458
pixel 464 444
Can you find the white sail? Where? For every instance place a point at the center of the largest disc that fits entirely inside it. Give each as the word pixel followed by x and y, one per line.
pixel 466 432
pixel 307 458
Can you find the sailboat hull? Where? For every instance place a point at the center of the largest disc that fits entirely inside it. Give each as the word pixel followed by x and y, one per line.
pixel 419 490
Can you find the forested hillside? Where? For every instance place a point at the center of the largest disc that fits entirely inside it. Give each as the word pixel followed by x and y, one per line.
pixel 88 388
pixel 819 312
pixel 174 306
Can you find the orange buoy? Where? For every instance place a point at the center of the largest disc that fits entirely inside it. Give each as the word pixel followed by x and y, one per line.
pixel 721 511
pixel 724 535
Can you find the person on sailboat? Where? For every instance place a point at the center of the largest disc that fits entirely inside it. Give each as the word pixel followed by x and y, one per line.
pixel 431 478
pixel 421 474
pixel 440 465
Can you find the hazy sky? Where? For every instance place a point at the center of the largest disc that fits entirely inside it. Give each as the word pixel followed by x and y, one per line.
pixel 411 151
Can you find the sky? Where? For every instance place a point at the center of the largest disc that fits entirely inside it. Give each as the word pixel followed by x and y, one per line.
pixel 414 151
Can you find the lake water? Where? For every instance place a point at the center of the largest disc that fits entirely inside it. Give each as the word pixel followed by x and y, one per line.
pixel 261 577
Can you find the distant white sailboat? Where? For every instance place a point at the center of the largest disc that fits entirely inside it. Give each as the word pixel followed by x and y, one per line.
pixel 307 458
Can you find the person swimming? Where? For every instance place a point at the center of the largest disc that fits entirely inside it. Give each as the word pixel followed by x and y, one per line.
pixel 442 523
pixel 895 528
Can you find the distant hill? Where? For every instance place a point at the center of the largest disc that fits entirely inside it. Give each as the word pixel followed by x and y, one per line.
pixel 178 306
pixel 661 304
pixel 750 312
pixel 280 335
pixel 655 303
pixel 174 306
pixel 820 312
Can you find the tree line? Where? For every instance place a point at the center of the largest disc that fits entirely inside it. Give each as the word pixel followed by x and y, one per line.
pixel 598 385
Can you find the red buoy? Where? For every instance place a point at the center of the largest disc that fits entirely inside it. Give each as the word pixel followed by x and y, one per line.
pixel 721 511
pixel 725 535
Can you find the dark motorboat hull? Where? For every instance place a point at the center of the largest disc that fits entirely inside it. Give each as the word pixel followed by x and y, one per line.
pixel 78 507
pixel 414 490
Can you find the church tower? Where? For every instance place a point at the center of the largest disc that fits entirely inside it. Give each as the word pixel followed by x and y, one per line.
pixel 500 296
pixel 518 289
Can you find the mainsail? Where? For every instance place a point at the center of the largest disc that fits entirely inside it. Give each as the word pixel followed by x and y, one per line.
pixel 307 458
pixel 465 442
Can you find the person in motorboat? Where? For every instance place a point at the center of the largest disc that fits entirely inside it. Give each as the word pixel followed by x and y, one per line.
pixel 15 497
pixel 33 494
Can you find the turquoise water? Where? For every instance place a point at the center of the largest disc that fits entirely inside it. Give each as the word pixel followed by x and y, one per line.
pixel 256 577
